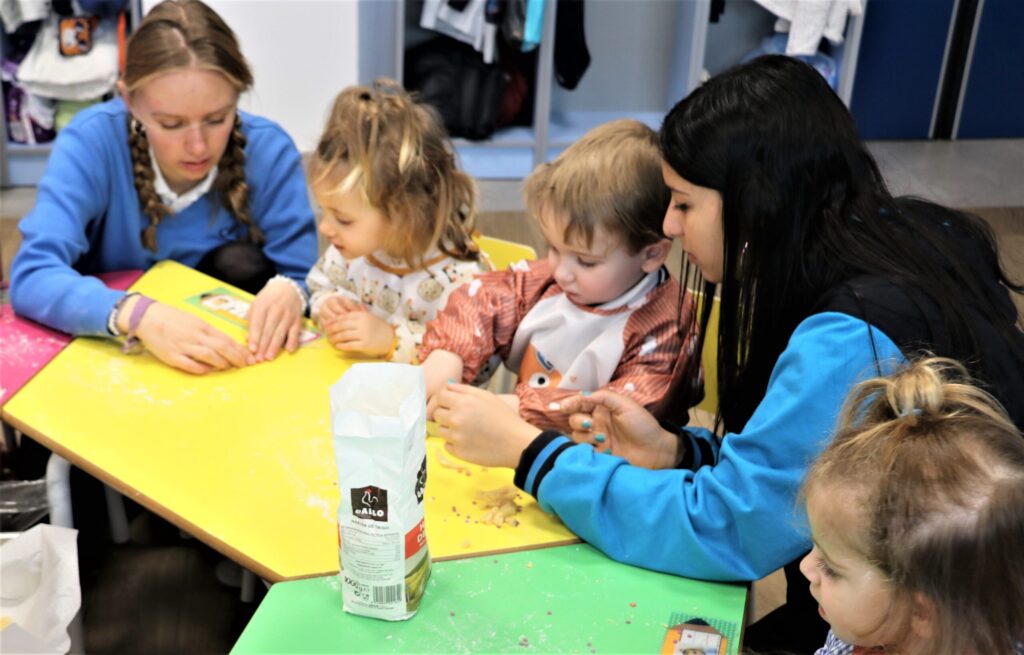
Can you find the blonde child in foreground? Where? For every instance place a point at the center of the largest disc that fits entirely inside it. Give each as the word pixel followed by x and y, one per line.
pixel 600 311
pixel 399 218
pixel 917 514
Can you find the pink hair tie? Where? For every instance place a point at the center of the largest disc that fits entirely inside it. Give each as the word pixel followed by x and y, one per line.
pixel 132 344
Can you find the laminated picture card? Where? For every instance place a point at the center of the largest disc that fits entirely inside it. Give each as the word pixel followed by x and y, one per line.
pixel 378 419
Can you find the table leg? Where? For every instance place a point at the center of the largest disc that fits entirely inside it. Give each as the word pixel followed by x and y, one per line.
pixel 58 491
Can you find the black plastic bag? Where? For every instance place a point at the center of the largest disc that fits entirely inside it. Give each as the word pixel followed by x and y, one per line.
pixel 453 77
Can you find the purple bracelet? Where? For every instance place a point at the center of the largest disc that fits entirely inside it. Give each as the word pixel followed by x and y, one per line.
pixel 131 341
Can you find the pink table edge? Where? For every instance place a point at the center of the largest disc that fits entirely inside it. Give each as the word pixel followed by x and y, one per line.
pixel 44 342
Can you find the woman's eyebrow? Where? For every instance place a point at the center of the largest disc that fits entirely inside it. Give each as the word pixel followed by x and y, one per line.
pixel 164 114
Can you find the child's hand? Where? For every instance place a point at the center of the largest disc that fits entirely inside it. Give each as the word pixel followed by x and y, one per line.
pixel 439 367
pixel 360 331
pixel 334 306
pixel 617 424
pixel 480 427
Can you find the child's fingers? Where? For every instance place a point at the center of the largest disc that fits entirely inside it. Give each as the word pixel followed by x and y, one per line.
pixel 467 390
pixel 576 405
pixel 349 305
pixel 441 416
pixel 613 402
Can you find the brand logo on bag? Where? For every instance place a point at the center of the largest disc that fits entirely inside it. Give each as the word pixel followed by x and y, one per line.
pixel 421 480
pixel 370 503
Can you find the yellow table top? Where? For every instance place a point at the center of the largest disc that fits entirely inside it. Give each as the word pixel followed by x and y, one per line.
pixel 241 459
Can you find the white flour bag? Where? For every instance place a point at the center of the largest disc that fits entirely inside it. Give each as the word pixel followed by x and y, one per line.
pixel 378 418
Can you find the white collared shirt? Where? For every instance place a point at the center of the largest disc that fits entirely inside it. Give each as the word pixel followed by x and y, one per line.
pixel 179 203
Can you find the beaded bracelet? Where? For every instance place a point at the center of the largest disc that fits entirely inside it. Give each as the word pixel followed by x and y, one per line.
pixel 132 344
pixel 115 311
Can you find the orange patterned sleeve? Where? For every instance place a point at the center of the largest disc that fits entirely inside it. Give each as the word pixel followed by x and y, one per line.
pixel 481 317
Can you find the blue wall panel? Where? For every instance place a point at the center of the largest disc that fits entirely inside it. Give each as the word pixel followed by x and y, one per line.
pixel 993 103
pixel 898 68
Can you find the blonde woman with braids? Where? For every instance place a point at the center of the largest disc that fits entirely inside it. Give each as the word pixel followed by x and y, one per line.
pixel 399 216
pixel 171 170
pixel 917 515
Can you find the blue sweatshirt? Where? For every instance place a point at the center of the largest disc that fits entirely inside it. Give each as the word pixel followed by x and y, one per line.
pixel 734 516
pixel 87 219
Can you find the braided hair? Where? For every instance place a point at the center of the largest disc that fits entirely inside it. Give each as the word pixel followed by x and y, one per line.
pixel 180 35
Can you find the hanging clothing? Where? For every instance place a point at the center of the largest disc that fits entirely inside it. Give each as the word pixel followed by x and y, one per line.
pixel 30 119
pixel 572 58
pixel 807 21
pixel 534 27
pixel 45 72
pixel 14 13
pixel 468 21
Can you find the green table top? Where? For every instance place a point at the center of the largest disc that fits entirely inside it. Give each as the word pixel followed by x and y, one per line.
pixel 569 599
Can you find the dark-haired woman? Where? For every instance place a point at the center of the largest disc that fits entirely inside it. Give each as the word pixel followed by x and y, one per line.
pixel 171 170
pixel 825 279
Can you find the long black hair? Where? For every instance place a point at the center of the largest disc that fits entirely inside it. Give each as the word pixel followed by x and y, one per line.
pixel 805 209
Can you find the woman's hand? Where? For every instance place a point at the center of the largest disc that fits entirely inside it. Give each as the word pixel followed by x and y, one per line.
pixel 360 331
pixel 617 424
pixel 184 341
pixel 275 319
pixel 480 427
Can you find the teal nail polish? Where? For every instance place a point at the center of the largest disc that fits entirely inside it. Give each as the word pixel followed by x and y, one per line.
pixel 607 451
pixel 586 424
pixel 585 393
pixel 451 380
pixel 599 438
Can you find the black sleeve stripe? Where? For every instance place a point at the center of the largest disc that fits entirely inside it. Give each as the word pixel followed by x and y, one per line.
pixel 548 464
pixel 707 455
pixel 530 454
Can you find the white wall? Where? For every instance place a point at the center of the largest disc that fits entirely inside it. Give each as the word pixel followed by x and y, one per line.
pixel 302 53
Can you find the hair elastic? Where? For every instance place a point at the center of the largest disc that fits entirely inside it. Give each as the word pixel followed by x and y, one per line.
pixel 132 344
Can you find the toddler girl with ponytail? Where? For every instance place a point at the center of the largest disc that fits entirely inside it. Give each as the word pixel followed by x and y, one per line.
pixel 917 515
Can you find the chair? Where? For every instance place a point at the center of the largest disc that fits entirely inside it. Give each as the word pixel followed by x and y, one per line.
pixel 709 359
pixel 502 253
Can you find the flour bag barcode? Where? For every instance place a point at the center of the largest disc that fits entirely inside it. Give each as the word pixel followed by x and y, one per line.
pixel 388 594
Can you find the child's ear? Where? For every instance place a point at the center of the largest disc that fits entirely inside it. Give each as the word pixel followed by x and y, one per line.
pixel 922 617
pixel 655 255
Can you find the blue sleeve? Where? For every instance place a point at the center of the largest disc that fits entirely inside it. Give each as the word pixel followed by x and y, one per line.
pixel 735 519
pixel 71 201
pixel 280 201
